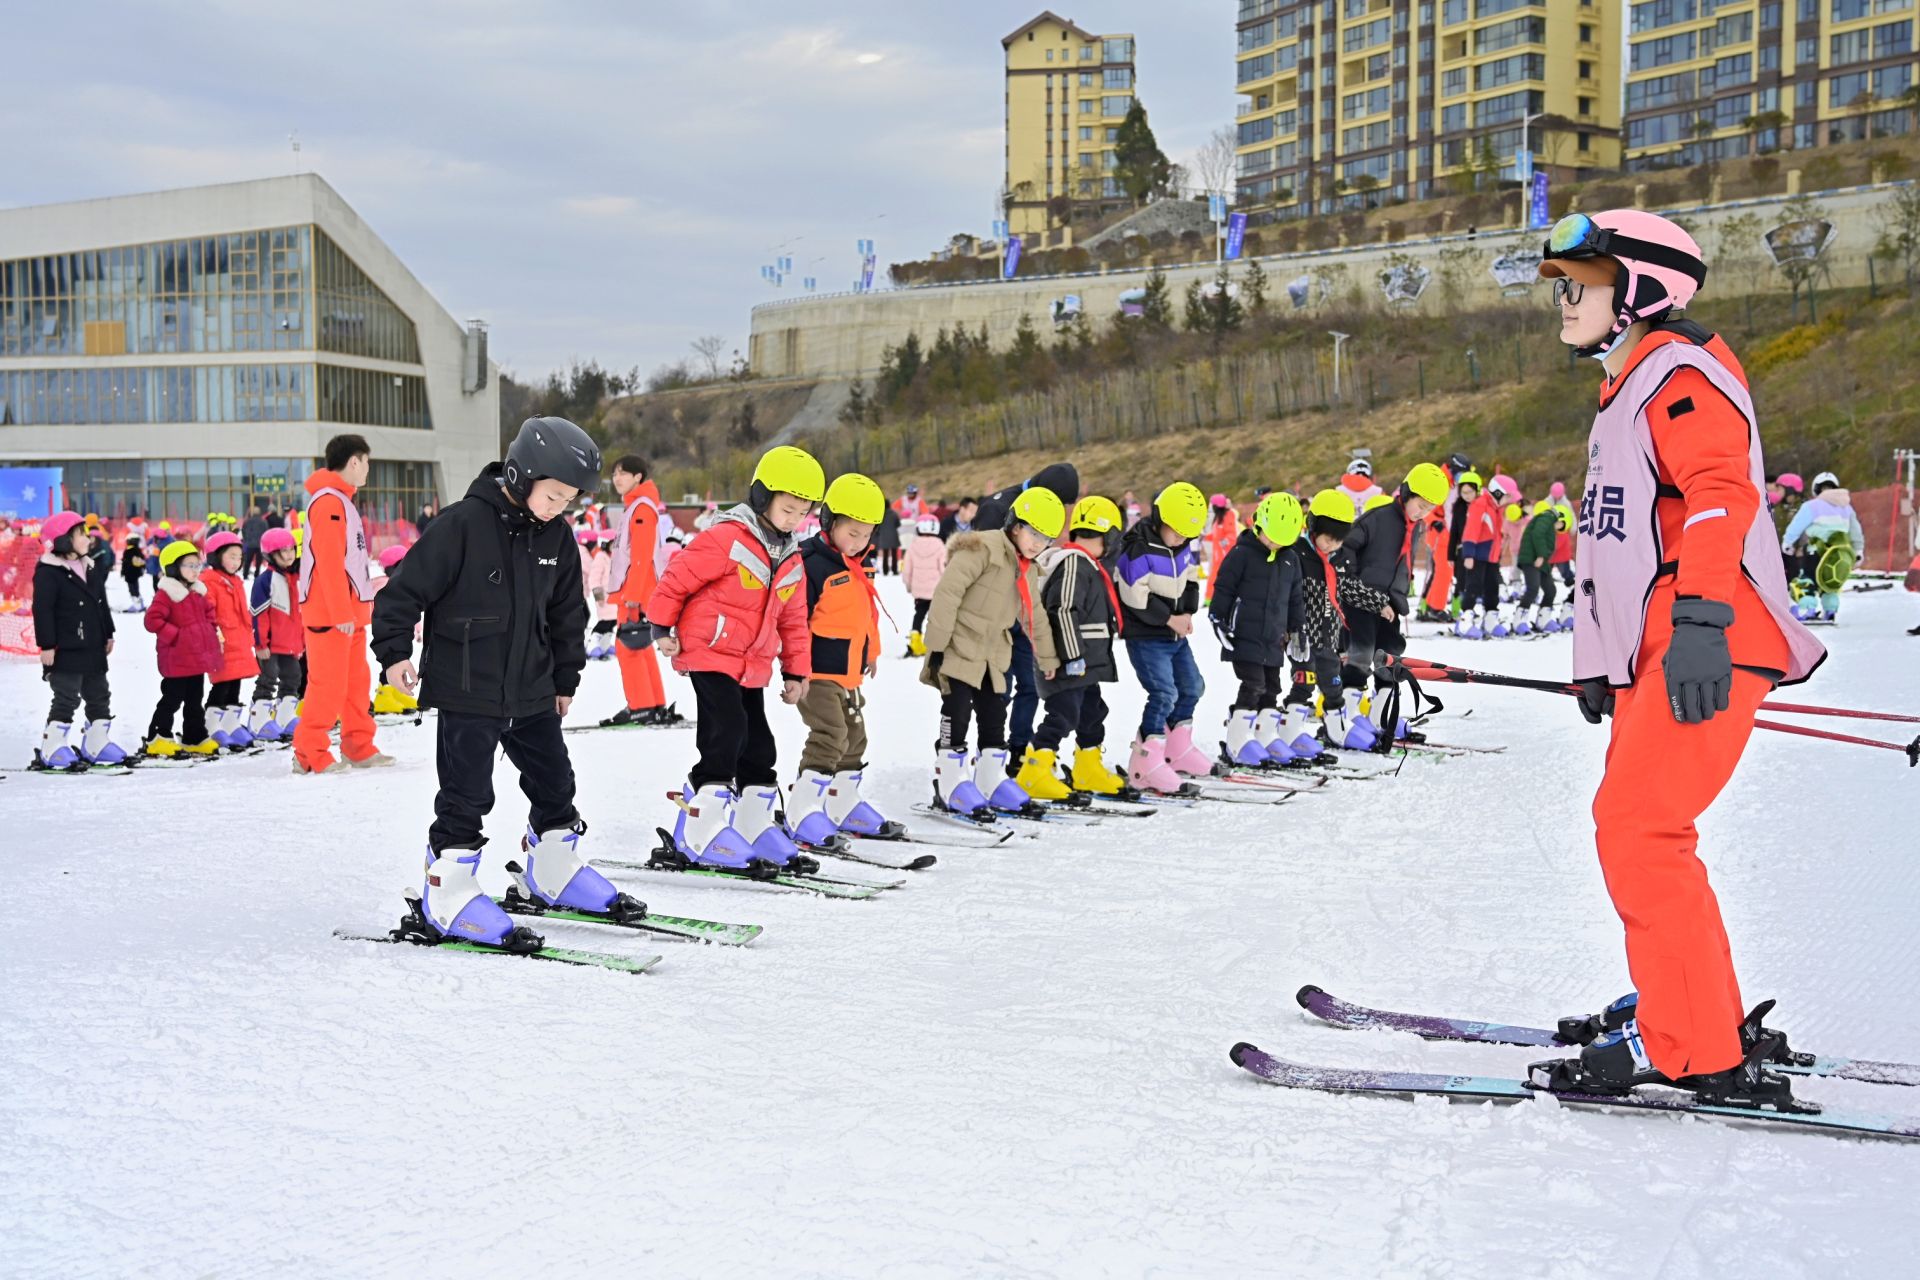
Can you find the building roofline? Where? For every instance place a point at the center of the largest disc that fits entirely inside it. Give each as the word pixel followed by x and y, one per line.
pixel 280 180
pixel 1046 15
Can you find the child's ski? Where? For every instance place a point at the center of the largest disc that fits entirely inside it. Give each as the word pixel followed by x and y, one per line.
pixel 975 837
pixel 684 927
pixel 561 955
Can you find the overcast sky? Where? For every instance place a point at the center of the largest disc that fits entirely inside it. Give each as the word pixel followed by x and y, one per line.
pixel 596 179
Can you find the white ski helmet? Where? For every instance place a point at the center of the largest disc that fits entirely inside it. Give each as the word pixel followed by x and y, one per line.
pixel 1825 480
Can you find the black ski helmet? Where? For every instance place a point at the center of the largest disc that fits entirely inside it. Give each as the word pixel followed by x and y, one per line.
pixel 551 449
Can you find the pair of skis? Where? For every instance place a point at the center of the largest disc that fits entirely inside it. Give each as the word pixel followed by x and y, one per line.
pixel 1342 1013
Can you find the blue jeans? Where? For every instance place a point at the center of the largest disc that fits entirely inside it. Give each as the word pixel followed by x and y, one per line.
pixel 1171 678
pixel 1023 691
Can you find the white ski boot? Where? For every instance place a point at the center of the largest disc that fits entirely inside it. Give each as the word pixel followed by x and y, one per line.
pixel 98 747
pixel 704 834
pixel 54 753
pixel 851 812
pixel 454 908
pixel 552 872
pixel 807 814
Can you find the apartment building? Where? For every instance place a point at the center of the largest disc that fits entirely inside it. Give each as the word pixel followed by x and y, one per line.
pixel 1710 81
pixel 1067 92
pixel 1346 102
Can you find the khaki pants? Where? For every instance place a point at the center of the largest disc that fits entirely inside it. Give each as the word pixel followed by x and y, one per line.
pixel 837 728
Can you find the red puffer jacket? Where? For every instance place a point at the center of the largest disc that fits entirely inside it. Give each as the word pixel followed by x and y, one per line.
pixel 735 602
pixel 234 620
pixel 183 619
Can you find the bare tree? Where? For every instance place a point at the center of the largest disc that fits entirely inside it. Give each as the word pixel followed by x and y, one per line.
pixel 1213 163
pixel 709 349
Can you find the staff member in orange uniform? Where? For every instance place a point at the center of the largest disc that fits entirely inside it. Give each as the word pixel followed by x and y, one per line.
pixel 1682 626
pixel 633 575
pixel 336 603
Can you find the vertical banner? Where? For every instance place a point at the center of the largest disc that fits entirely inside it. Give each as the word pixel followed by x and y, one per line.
pixel 1537 208
pixel 1236 235
pixel 1013 258
pixel 1217 208
pixel 866 273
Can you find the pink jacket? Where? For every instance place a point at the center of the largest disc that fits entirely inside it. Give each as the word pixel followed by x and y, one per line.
pixel 183 619
pixel 924 562
pixel 597 570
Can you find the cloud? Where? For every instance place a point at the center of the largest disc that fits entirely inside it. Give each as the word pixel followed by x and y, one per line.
pixel 600 206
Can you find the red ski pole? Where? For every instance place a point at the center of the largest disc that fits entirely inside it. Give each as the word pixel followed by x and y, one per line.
pixel 1911 750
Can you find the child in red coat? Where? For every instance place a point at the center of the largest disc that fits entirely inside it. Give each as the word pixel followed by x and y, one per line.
pixel 233 619
pixel 188 650
pixel 724 609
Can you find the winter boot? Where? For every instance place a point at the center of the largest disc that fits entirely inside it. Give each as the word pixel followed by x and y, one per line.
pixel 916 645
pixel 757 817
pixel 1038 776
pixel 953 787
pixel 98 746
pixel 1148 769
pixel 54 753
pixel 704 831
pixel 162 746
pixel 991 780
pixel 1183 757
pixel 808 817
pixel 389 701
pixel 378 760
pixel 1269 734
pixel 1243 745
pixel 1298 732
pixel 286 714
pixel 851 812
pixel 551 870
pixel 456 907
pixel 261 724
pixel 1090 774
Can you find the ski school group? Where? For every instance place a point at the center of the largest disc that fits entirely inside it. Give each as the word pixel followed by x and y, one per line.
pixel 1685 622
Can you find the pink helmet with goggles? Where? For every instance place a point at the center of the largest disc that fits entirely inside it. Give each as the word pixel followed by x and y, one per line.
pixel 1656 266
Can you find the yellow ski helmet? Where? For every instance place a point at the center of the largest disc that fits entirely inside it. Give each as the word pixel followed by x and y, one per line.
pixel 1514 512
pixel 1041 510
pixel 1428 482
pixel 1331 504
pixel 1097 514
pixel 1541 507
pixel 1563 518
pixel 1280 518
pixel 786 469
pixel 176 551
pixel 1472 478
pixel 856 497
pixel 1376 501
pixel 1183 509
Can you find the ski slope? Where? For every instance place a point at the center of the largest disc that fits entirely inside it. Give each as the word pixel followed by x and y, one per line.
pixel 1014 1066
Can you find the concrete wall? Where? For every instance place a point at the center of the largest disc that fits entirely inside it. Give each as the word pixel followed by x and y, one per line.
pixel 465 434
pixel 843 335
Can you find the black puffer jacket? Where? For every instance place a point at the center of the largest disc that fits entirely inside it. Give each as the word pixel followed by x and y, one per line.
pixel 1381 554
pixel 1061 477
pixel 506 619
pixel 1257 602
pixel 1074 595
pixel 70 616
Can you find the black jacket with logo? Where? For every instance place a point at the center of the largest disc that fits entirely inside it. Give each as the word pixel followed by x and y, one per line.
pixel 506 617
pixel 70 615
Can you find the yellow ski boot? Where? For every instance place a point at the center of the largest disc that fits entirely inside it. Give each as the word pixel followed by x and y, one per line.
pixel 205 747
pixel 162 747
pixel 389 701
pixel 1038 778
pixel 1090 773
pixel 916 645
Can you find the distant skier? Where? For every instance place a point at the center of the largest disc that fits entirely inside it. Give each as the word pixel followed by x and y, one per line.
pixel 1536 566
pixel 925 560
pixel 1828 528
pixel 1682 626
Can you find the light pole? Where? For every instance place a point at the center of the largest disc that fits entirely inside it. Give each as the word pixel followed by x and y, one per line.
pixel 1526 123
pixel 1339 339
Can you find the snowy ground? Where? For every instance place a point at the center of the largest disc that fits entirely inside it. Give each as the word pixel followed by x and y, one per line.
pixel 1015 1066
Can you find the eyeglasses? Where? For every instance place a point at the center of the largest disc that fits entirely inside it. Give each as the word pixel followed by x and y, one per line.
pixel 1565 290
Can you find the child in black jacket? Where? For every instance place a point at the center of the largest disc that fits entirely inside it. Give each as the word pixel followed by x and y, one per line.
pixel 74 629
pixel 1080 602
pixel 1257 604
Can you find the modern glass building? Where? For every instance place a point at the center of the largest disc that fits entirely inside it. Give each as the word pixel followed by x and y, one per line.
pixel 192 351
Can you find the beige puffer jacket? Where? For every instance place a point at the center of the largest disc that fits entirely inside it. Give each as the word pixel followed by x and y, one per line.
pixel 974 610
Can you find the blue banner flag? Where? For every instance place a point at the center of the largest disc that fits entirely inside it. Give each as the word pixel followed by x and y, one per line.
pixel 1013 258
pixel 1537 216
pixel 1236 235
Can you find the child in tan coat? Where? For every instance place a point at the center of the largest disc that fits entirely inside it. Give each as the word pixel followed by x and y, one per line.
pixel 989 584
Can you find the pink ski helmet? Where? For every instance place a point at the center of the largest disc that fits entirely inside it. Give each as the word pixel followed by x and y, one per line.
pixel 1503 487
pixel 275 540
pixel 1652 263
pixel 392 556
pixel 1557 491
pixel 585 536
pixel 218 543
pixel 1218 500
pixel 59 525
pixel 1791 480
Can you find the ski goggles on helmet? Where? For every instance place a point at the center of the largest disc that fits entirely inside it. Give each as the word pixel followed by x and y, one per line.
pixel 1577 236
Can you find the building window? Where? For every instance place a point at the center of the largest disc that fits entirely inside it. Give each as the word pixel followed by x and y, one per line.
pixel 1663 13
pixel 1660 91
pixel 1890 82
pixel 1586 69
pixel 1086 133
pixel 1117 51
pixel 1505 35
pixel 1115 106
pixel 1891 39
pixel 1583 106
pixel 1584 141
pixel 1118 78
pixel 1661 52
pixel 1453 83
pixel 1086 79
pixel 1586 33
pixel 1453 119
pixel 1845 91
pixel 1510 70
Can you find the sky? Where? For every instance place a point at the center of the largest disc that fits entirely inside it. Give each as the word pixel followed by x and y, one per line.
pixel 597 180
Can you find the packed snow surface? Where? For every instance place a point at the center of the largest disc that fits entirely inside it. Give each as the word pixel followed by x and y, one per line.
pixel 1016 1065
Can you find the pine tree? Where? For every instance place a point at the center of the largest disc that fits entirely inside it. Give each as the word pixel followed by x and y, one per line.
pixel 1140 167
pixel 1255 289
pixel 1194 317
pixel 854 412
pixel 1157 307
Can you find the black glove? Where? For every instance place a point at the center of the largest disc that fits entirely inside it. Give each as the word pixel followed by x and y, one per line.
pixel 1699 669
pixel 933 661
pixel 1596 700
pixel 636 635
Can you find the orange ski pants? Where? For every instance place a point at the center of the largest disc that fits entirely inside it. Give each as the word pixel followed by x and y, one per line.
pixel 640 677
pixel 1440 587
pixel 1661 775
pixel 339 687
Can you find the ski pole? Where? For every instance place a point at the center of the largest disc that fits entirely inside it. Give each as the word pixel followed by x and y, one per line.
pixel 1459 675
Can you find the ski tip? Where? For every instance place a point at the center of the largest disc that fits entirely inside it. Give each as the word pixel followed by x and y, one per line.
pixel 1306 994
pixel 1241 1052
pixel 922 862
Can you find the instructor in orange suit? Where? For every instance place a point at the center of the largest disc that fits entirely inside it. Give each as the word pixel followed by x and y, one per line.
pixel 631 578
pixel 1682 625
pixel 336 603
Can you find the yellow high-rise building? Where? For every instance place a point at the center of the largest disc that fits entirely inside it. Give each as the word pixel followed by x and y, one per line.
pixel 1067 92
pixel 1351 102
pixel 1709 81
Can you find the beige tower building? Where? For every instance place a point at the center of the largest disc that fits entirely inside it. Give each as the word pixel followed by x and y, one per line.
pixel 1067 92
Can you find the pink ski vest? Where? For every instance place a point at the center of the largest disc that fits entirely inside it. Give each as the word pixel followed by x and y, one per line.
pixel 357 566
pixel 623 551
pixel 1619 552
